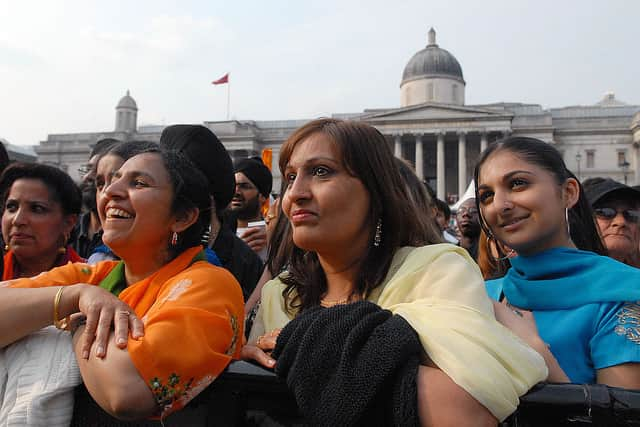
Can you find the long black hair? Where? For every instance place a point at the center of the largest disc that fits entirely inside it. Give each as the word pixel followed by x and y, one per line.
pixel 582 225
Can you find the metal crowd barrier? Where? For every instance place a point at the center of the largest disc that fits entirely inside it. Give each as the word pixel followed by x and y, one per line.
pixel 246 395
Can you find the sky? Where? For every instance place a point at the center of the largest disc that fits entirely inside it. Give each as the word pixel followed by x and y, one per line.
pixel 64 64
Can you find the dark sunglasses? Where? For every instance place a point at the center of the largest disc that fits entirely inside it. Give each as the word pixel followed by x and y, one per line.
pixel 630 215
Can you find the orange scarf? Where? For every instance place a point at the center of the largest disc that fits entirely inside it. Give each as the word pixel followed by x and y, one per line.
pixel 9 262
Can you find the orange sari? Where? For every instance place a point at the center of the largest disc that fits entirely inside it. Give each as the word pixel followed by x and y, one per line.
pixel 192 306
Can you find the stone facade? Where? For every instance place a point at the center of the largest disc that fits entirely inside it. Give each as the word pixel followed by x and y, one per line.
pixel 440 135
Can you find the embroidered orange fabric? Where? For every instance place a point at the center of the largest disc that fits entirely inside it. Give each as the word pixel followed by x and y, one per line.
pixel 196 308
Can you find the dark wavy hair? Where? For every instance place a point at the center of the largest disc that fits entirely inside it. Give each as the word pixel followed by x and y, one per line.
pixel 61 187
pixel 366 155
pixel 582 225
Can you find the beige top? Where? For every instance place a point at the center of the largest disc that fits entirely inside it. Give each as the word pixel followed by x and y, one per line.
pixel 439 290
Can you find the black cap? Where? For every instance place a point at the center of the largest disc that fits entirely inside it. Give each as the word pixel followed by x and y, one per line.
pixel 205 150
pixel 258 174
pixel 597 188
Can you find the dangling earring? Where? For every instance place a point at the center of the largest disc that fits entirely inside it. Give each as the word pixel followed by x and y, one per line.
pixel 6 247
pixel 206 235
pixel 490 253
pixel 63 248
pixel 174 239
pixel 377 238
pixel 566 217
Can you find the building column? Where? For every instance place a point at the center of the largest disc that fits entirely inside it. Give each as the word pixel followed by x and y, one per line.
pixel 397 145
pixel 440 167
pixel 484 141
pixel 462 163
pixel 419 157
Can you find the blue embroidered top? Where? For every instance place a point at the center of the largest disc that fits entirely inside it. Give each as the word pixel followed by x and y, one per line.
pixel 585 307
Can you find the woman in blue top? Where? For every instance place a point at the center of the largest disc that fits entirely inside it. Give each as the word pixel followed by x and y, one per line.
pixel 583 305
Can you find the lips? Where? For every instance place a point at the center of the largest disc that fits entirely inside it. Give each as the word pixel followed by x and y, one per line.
pixel 117 213
pixel 512 223
pixel 301 216
pixel 19 236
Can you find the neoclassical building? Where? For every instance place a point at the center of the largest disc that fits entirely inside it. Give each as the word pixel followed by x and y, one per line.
pixel 432 128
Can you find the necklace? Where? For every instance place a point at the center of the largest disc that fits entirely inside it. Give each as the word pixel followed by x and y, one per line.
pixel 328 303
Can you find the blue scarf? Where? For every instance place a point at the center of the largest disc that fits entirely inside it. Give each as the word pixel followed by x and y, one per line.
pixel 563 278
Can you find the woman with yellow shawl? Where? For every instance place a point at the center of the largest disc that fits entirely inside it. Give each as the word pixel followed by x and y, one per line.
pixel 163 295
pixel 358 236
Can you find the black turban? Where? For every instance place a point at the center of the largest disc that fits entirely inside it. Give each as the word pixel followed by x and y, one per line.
pixel 258 174
pixel 205 150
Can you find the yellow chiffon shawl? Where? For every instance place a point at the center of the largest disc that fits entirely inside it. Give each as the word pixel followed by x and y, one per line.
pixel 439 290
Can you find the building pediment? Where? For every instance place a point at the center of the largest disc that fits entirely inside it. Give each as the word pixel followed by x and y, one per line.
pixel 437 112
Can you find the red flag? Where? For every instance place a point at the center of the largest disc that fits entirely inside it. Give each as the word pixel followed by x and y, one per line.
pixel 222 80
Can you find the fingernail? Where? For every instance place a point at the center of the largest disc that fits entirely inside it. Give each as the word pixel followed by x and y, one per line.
pixel 100 351
pixel 85 354
pixel 121 341
pixel 271 362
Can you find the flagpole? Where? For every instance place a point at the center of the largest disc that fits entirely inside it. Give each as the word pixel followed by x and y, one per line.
pixel 228 97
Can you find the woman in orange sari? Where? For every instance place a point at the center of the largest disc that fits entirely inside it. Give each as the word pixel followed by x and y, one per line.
pixel 162 296
pixel 40 206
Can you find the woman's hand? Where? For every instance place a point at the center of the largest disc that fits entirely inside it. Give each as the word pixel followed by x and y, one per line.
pixel 102 310
pixel 520 322
pixel 260 351
pixel 523 324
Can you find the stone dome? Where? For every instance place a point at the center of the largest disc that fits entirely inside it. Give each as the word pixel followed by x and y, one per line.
pixel 127 102
pixel 432 61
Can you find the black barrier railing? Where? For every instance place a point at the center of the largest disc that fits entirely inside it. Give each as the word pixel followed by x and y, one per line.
pixel 246 395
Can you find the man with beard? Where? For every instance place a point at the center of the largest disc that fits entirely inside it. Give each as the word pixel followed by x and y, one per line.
pixel 253 186
pixel 617 212
pixel 469 226
pixel 87 234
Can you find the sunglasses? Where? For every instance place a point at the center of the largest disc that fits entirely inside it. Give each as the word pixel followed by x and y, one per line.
pixel 630 215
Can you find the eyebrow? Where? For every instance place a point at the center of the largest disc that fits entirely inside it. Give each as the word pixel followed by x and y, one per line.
pixel 118 173
pixel 316 160
pixel 507 176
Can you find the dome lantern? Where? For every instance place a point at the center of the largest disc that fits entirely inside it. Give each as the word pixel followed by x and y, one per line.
pixel 432 75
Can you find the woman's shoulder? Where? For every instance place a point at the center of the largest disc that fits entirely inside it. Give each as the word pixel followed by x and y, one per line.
pixel 274 287
pixel 416 258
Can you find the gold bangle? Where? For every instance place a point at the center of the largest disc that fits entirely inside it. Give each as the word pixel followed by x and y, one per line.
pixel 59 323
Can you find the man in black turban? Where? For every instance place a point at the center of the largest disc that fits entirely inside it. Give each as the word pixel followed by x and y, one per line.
pixel 253 186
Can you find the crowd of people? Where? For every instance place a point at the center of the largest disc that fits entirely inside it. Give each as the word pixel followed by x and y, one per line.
pixel 352 282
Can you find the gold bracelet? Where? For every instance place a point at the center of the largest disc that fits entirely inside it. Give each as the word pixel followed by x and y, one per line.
pixel 63 323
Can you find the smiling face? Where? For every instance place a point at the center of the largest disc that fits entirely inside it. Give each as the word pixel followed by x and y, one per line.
pixel 328 207
pixel 523 204
pixel 33 222
pixel 135 206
